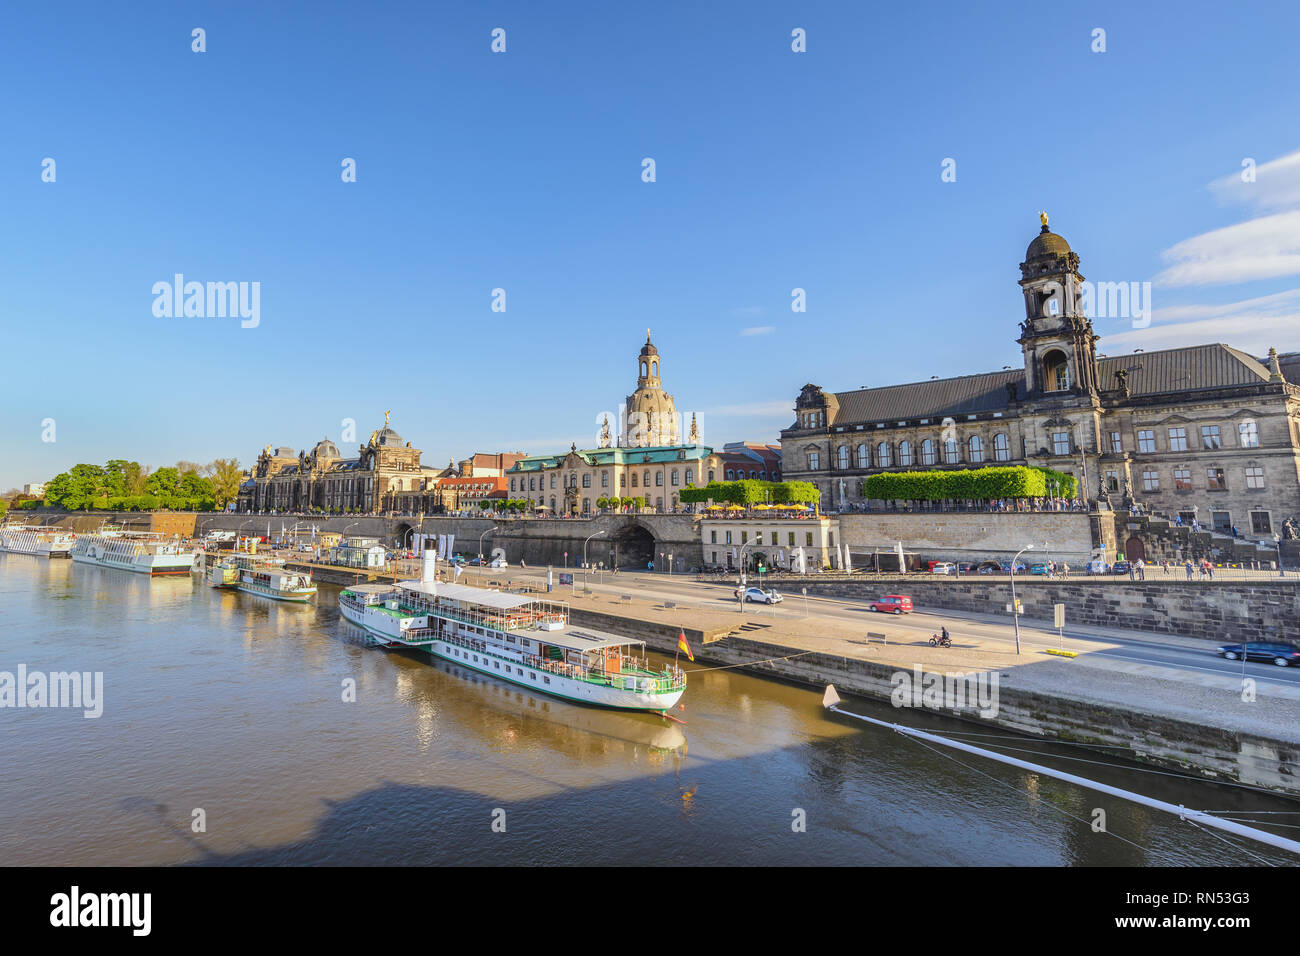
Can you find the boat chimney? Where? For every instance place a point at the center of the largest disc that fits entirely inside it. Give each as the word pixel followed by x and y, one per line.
pixel 429 566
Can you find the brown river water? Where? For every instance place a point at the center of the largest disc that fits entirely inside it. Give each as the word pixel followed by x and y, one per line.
pixel 233 705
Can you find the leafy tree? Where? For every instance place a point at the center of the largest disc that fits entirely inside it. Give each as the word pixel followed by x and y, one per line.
pixel 226 479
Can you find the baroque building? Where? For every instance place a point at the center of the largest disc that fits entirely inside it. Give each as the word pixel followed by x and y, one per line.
pixel 648 460
pixel 385 474
pixel 1207 432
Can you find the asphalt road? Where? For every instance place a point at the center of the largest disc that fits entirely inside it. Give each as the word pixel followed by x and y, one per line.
pixel 1133 646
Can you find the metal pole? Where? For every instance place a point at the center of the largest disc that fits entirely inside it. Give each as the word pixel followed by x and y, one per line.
pixel 831 700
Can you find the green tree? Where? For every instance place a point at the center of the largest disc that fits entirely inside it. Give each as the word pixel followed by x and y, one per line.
pixel 226 479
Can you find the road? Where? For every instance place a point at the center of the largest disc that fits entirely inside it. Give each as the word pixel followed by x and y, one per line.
pixel 1134 647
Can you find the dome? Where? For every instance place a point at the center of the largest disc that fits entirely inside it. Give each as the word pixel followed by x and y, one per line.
pixel 325 449
pixel 1047 244
pixel 389 437
pixel 648 348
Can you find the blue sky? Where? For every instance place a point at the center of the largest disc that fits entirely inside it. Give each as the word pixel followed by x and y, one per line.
pixel 522 171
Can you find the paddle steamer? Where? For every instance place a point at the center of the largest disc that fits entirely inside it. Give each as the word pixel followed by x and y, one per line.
pixel 142 552
pixel 518 638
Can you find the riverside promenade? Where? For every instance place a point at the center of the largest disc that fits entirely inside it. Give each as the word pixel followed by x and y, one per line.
pixel 1146 696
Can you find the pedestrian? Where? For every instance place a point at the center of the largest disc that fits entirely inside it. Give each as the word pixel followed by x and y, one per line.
pixel 1065 569
pixel 1142 569
pixel 1132 571
pixel 1189 569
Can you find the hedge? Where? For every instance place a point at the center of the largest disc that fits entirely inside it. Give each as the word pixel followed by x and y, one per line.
pixel 978 484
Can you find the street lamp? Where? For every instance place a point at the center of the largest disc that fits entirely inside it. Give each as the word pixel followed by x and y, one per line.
pixel 1277 541
pixel 584 546
pixel 1015 608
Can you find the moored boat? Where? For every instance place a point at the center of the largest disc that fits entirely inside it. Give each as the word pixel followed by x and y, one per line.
pixel 35 540
pixel 518 638
pixel 142 552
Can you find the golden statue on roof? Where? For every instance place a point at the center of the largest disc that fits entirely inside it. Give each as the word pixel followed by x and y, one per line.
pixel 386 414
pixel 1042 217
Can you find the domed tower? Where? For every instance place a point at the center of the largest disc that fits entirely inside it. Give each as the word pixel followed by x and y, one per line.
pixel 651 415
pixel 1056 337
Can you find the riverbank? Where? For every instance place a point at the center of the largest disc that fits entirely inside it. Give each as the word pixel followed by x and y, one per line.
pixel 1196 723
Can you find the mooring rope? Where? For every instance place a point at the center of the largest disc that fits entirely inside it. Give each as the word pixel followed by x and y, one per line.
pixel 770 660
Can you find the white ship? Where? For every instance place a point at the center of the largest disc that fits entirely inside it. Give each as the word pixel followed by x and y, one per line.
pixel 42 542
pixel 145 553
pixel 515 637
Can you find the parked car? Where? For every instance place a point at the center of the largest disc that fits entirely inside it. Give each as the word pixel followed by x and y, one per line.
pixel 1096 566
pixel 965 567
pixel 760 596
pixel 989 567
pixel 1119 567
pixel 892 604
pixel 497 563
pixel 1039 568
pixel 943 567
pixel 1005 566
pixel 1278 652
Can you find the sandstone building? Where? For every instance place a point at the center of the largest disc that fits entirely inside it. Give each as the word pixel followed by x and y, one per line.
pixel 1206 432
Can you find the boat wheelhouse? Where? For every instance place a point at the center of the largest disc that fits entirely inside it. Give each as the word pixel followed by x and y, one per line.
pixel 142 552
pixel 35 540
pixel 517 637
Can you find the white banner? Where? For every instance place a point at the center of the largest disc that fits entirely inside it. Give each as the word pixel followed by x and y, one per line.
pixel 451 538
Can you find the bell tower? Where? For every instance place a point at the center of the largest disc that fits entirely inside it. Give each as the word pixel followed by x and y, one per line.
pixel 1056 336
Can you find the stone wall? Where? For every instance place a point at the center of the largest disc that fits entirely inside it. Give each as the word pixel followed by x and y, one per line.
pixel 1218 611
pixel 975 536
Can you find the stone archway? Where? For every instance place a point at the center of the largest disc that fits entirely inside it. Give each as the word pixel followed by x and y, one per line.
pixel 633 547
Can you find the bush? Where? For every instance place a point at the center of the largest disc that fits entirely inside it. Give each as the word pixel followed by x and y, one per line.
pixel 978 484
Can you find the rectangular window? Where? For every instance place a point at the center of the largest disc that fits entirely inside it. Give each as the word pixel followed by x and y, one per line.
pixel 604 479
pixel 1146 442
pixel 744 537
pixel 1150 481
pixel 1254 477
pixel 831 542
pixel 1182 479
pixel 728 537
pixel 659 479
pixel 586 481
pixel 1178 439
pixel 1060 443
pixel 814 461
pixel 1215 480
pixel 1210 437
pixel 1260 523
pixel 792 539
pixel 808 536
pixel 674 476
pixel 713 536
pixel 1248 434
pixel 1116 443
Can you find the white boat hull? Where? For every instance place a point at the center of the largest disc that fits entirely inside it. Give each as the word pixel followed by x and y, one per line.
pixel 387 631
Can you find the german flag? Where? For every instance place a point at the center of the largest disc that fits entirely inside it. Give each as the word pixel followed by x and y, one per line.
pixel 683 646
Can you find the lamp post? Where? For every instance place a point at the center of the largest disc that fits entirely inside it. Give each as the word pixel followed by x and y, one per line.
pixel 584 546
pixel 480 545
pixel 1015 608
pixel 1277 541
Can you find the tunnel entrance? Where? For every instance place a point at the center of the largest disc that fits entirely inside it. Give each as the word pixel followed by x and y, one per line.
pixel 632 549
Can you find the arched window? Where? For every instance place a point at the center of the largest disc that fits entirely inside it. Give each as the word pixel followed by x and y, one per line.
pixel 927 452
pixel 864 457
pixel 904 452
pixel 731 474
pixel 842 456
pixel 951 452
pixel 976 449
pixel 1056 371
pixel 884 455
pixel 1001 448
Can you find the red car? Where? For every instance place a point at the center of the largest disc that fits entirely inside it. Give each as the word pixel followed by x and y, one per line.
pixel 893 604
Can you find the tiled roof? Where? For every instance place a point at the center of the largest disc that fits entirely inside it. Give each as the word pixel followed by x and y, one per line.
pixel 1169 370
pixel 659 454
pixel 1185 369
pixel 964 395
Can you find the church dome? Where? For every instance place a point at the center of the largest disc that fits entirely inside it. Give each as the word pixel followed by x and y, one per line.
pixel 389 437
pixel 1047 244
pixel 648 348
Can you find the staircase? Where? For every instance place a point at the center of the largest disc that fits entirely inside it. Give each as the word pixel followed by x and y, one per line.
pixel 1164 539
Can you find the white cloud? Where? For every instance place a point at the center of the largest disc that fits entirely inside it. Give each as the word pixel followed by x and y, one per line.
pixel 1252 325
pixel 759 330
pixel 1262 248
pixel 1276 185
